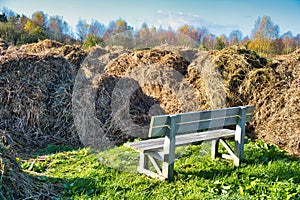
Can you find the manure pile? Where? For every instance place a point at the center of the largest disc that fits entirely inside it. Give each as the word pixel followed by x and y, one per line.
pixel 126 90
pixel 44 100
pixel 272 87
pixel 277 119
pixel 35 95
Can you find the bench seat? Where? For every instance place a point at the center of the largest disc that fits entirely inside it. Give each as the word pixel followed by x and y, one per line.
pixel 181 140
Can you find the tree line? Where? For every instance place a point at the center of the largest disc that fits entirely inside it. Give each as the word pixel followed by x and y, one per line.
pixel 18 29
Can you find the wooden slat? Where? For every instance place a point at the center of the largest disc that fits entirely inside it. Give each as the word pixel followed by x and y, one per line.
pixel 181 140
pixel 190 127
pixel 248 117
pixel 160 120
pixel 208 114
pixel 150 173
pixel 199 120
pixel 158 131
pixel 197 126
pixel 249 110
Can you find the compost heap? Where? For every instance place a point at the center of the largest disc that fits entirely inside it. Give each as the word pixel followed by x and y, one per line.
pixel 272 87
pixel 128 90
pixel 37 82
pixel 35 94
pixel 277 119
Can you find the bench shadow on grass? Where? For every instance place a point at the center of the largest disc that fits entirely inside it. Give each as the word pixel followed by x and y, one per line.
pixel 262 161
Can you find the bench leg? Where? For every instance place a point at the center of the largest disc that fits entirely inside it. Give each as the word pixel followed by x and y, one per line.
pixel 144 167
pixel 168 168
pixel 144 161
pixel 214 149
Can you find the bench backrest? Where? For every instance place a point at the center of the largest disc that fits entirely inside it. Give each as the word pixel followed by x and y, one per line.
pixel 198 121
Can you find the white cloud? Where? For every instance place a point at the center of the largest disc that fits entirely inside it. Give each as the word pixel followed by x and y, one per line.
pixel 177 19
pixel 159 12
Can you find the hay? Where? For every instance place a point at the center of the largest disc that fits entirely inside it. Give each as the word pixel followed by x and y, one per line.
pixel 272 87
pixel 107 109
pixel 73 53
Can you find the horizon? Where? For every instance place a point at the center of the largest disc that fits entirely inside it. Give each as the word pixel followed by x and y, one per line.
pixel 219 17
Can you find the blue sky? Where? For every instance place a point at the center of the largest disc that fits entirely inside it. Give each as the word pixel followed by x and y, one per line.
pixel 219 16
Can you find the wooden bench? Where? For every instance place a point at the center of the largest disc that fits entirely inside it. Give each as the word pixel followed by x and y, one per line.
pixel 188 128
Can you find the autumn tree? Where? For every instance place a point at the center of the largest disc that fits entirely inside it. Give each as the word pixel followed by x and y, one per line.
pixel 82 29
pixel 95 34
pixel 188 30
pixel 9 29
pixel 277 46
pixel 39 19
pixel 288 42
pixel 297 41
pixel 97 29
pixel 143 36
pixel 210 41
pixel 119 33
pixel 263 33
pixel 3 17
pixel 221 42
pixel 22 21
pixel 235 37
pixel 58 29
pixel 202 32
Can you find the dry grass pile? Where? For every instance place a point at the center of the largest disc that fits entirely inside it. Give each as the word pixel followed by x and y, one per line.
pixel 277 118
pixel 131 88
pixel 15 184
pixel 241 69
pixel 161 74
pixel 273 87
pixel 73 53
pixel 35 99
pixel 140 58
pixel 113 119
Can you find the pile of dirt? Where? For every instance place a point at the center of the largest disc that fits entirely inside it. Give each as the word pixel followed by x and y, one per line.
pixel 15 184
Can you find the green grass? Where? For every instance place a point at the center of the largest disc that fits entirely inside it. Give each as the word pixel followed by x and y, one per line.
pixel 266 173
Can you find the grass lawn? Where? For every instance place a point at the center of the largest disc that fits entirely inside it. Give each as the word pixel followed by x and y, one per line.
pixel 266 173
